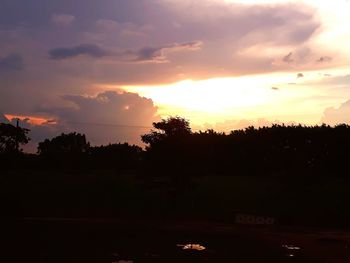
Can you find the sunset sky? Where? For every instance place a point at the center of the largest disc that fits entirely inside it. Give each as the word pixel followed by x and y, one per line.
pixel 109 68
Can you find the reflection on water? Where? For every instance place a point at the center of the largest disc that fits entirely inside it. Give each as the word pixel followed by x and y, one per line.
pixel 291 247
pixel 95 244
pixel 292 250
pixel 196 247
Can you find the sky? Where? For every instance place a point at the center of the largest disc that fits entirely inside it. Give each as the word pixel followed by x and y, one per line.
pixel 109 68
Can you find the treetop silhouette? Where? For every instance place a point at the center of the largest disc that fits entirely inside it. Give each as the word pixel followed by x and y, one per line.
pixel 11 137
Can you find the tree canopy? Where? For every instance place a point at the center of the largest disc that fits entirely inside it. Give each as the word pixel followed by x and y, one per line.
pixel 167 128
pixel 71 143
pixel 11 137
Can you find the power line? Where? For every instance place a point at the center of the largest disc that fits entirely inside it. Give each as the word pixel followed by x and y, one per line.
pixel 109 125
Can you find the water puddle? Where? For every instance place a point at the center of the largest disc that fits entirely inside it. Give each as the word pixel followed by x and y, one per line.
pixel 193 247
pixel 292 250
pixel 291 247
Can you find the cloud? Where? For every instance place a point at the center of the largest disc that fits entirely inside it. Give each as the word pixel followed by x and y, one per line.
pixel 303 57
pixel 300 75
pixel 62 19
pixel 133 38
pixel 288 58
pixel 80 50
pixel 324 59
pixel 143 55
pixel 159 54
pixel 11 62
pixel 339 115
pixel 254 35
pixel 107 117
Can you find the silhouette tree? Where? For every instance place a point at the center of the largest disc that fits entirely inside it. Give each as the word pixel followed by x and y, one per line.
pixel 72 143
pixel 167 128
pixel 11 137
pixel 167 146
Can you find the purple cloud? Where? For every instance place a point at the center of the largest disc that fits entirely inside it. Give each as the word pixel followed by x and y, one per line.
pixel 107 117
pixel 159 54
pixel 83 49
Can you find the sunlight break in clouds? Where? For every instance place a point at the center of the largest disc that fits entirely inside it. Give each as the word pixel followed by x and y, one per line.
pixel 276 97
pixel 286 95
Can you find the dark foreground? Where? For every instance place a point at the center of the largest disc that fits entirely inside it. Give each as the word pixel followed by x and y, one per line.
pixel 99 240
pixel 105 216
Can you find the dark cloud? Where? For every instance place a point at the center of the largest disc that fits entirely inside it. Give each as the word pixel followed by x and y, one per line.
pixel 324 59
pixel 149 54
pixel 143 55
pixel 300 75
pixel 83 49
pixel 159 54
pixel 275 88
pixel 11 62
pixel 288 58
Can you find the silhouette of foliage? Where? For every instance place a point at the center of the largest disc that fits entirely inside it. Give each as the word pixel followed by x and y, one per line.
pixel 294 149
pixel 11 137
pixel 168 143
pixel 297 173
pixel 173 148
pixel 167 128
pixel 121 155
pixel 72 143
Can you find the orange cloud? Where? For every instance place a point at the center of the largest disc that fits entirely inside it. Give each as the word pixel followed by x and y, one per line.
pixel 30 119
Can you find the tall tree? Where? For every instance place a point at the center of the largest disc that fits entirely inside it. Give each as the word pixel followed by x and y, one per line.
pixel 167 128
pixel 11 137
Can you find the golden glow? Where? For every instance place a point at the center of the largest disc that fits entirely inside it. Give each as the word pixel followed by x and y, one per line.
pixel 278 96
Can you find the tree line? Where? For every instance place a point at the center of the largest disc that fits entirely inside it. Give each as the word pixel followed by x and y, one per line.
pixel 173 148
